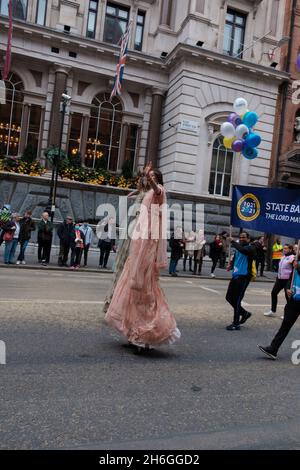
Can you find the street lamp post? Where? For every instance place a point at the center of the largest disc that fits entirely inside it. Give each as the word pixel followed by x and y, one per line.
pixel 65 98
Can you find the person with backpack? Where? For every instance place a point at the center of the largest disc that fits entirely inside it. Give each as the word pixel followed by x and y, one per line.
pixel 284 273
pixel 291 314
pixel 242 272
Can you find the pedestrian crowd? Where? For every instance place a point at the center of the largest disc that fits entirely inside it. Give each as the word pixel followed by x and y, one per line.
pixel 75 239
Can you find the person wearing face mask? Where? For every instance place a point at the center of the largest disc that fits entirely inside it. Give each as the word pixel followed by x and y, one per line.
pixel 284 273
pixel 291 314
pixel 87 232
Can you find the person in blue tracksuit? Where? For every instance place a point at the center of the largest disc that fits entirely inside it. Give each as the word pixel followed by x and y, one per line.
pixel 241 276
pixel 291 314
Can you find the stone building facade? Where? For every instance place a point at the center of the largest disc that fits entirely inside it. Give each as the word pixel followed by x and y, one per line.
pixel 188 61
pixel 285 166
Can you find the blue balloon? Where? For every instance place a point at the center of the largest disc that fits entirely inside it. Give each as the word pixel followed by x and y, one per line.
pixel 250 119
pixel 250 153
pixel 253 140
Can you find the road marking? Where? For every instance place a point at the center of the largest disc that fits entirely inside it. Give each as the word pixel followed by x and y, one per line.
pixel 245 304
pixel 188 282
pixel 51 301
pixel 210 290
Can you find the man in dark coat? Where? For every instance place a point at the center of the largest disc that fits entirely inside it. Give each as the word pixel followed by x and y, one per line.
pixel 66 234
pixel 176 245
pixel 45 231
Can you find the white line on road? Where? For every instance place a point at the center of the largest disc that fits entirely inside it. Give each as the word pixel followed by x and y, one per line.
pixel 51 301
pixel 210 290
pixel 188 282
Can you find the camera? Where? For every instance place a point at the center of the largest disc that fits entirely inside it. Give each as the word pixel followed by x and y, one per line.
pixel 66 97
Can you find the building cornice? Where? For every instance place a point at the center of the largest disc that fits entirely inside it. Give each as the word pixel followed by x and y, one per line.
pixel 180 51
pixel 239 65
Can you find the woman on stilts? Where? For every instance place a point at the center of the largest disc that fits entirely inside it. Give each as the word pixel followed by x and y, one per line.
pixel 138 309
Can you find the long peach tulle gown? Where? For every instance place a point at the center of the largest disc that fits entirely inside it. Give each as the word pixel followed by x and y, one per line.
pixel 138 309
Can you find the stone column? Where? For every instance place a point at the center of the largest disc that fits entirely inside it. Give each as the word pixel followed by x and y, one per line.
pixel 197 6
pixel 40 157
pixel 61 75
pixel 24 128
pixel 122 152
pixel 138 142
pixel 154 126
pixel 166 11
pixel 84 137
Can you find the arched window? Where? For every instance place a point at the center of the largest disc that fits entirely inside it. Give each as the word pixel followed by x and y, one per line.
pixel 221 169
pixel 103 143
pixel 11 116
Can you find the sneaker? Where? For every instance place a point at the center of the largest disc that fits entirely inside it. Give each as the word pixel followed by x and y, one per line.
pixel 18 262
pixel 245 317
pixel 23 262
pixel 270 314
pixel 268 351
pixel 282 317
pixel 212 275
pixel 174 275
pixel 233 327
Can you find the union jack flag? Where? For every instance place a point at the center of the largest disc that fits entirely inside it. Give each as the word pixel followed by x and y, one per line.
pixel 122 60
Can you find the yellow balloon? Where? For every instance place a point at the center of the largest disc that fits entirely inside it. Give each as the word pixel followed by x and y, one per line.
pixel 228 142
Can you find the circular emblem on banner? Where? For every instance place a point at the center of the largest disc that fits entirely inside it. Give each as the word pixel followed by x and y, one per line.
pixel 248 207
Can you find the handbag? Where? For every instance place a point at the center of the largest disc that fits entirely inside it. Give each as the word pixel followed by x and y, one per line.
pixel 8 236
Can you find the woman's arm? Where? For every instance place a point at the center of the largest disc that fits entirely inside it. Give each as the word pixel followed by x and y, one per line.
pixel 152 183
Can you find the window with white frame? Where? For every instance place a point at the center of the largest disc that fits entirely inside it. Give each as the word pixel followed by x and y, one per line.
pixel 221 169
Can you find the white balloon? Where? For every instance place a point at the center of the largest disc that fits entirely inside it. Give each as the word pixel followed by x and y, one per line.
pixel 240 106
pixel 228 130
pixel 241 131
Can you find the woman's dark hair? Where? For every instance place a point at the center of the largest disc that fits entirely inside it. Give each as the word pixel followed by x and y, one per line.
pixel 290 247
pixel 159 177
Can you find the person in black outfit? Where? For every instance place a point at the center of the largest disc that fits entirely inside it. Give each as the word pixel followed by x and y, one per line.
pixel 216 248
pixel 45 231
pixel 291 314
pixel 106 243
pixel 66 234
pixel 176 245
pixel 260 255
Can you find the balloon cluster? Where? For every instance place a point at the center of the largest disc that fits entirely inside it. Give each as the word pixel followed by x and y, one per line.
pixel 238 130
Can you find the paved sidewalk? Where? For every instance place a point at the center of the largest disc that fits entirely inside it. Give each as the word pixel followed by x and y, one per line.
pixel 93 263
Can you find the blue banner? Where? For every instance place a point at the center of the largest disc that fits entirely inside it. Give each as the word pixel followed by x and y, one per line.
pixel 267 210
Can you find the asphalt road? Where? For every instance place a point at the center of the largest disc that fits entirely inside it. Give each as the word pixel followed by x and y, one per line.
pixel 69 384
